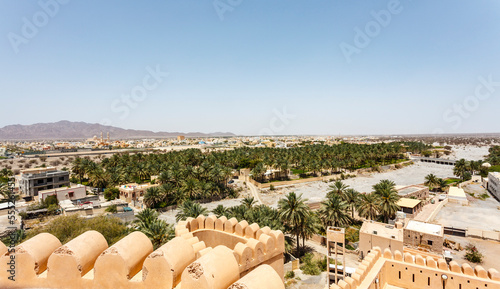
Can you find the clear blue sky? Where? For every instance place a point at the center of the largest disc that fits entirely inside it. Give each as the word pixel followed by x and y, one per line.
pixel 229 71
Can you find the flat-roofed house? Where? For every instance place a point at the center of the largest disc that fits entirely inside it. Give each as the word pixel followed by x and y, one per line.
pixel 373 234
pixel 133 191
pixel 457 195
pixel 417 191
pixel 65 193
pixel 422 235
pixel 411 207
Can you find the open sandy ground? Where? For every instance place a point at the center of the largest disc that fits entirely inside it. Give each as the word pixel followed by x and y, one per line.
pixel 316 191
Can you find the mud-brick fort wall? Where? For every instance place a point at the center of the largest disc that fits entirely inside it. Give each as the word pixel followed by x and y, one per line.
pixel 206 253
pixel 379 270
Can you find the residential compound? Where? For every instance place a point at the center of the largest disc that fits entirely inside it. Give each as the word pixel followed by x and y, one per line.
pixel 494 184
pixel 132 192
pixel 31 181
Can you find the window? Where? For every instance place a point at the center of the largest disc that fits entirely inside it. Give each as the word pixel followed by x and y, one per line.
pixel 429 242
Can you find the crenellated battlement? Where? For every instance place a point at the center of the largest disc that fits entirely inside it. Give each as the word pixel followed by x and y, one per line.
pixel 251 245
pixel 414 271
pixel 207 252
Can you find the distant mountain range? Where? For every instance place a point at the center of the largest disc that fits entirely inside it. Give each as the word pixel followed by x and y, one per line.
pixel 81 130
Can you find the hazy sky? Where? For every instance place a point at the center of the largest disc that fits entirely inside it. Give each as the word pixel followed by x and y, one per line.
pixel 253 66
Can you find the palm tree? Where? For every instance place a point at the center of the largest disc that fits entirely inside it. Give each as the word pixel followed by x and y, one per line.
pixel 153 197
pixel 220 211
pixel 460 168
pixel 442 185
pixel 158 231
pixel 146 216
pixel 368 206
pixel 310 226
pixel 293 211
pixel 4 191
pixel 351 198
pixel 78 168
pixel 248 202
pixel 333 212
pixel 338 188
pixel 431 181
pixel 98 178
pixel 190 209
pixel 388 198
pixel 190 188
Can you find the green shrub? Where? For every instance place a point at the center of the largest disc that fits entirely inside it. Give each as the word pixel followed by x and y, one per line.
pixel 50 200
pixel 289 275
pixel 52 209
pixel 112 209
pixel 111 193
pixel 310 267
pixel 472 254
pixel 66 228
pixel 352 235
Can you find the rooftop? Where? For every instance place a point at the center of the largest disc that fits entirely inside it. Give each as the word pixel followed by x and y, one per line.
pixel 408 190
pixel 55 190
pixel 408 203
pixel 496 174
pixel 456 192
pixel 133 186
pixel 427 228
pixel 382 229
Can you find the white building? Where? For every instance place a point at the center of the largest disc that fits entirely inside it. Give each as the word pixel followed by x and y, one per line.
pixel 494 184
pixel 457 195
pixel 62 194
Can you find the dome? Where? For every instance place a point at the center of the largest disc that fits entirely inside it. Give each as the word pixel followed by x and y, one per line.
pixel 486 165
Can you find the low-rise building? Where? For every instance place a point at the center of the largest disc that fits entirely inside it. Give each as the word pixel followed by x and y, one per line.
pixel 34 180
pixel 374 234
pixel 405 234
pixel 132 192
pixel 424 236
pixel 457 195
pixel 62 194
pixel 494 184
pixel 419 192
pixel 411 207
